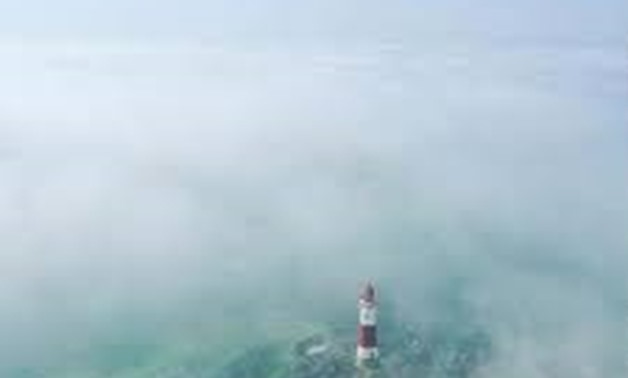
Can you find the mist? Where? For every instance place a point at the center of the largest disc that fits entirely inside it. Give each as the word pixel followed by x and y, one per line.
pixel 149 189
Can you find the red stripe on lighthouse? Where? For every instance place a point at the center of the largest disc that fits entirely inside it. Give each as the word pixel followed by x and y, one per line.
pixel 367 336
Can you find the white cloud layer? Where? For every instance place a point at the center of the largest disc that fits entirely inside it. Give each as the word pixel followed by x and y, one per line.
pixel 134 176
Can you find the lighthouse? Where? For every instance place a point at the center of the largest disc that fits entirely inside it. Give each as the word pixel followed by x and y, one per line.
pixel 367 352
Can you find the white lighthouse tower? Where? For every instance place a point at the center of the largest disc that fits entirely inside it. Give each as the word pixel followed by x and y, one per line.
pixel 367 352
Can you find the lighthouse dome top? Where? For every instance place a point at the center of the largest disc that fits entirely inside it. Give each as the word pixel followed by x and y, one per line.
pixel 368 293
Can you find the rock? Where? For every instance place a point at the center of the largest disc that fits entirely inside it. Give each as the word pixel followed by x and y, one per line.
pixel 413 354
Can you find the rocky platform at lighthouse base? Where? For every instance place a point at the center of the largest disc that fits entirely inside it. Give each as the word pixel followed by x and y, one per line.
pixel 413 353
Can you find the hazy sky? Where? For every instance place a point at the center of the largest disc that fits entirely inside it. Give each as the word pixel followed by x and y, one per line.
pixel 281 20
pixel 148 149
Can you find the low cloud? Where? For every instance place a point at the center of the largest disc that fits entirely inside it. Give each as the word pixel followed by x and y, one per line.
pixel 139 178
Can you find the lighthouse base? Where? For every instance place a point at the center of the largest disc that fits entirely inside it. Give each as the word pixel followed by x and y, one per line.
pixel 366 357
